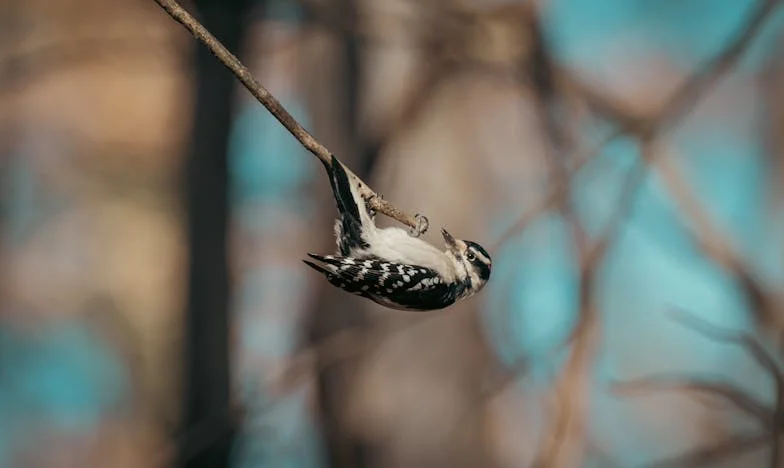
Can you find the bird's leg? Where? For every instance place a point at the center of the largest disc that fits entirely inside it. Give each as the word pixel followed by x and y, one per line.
pixel 422 224
pixel 369 205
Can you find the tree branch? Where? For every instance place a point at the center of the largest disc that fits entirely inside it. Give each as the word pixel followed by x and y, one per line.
pixel 708 386
pixel 418 223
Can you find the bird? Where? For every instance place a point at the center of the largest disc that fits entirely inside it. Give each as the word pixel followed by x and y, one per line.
pixel 390 266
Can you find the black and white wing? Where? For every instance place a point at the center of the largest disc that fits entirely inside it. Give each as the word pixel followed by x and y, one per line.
pixel 393 285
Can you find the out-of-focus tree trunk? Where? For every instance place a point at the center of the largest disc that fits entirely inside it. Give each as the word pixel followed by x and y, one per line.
pixel 207 422
pixel 343 447
pixel 774 124
pixel 411 401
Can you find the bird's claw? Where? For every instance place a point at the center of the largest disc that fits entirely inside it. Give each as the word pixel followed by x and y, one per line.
pixel 422 224
pixel 370 210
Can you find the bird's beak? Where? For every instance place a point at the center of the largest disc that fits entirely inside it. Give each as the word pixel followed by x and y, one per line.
pixel 451 243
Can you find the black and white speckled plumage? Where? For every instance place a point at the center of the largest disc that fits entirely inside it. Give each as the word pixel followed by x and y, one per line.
pixel 394 285
pixel 391 267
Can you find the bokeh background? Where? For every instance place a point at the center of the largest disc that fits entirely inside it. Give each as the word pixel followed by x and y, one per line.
pixel 620 159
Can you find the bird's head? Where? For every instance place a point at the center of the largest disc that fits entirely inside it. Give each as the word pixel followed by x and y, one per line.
pixel 472 262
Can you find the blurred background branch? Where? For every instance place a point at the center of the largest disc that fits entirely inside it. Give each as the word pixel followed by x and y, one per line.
pixel 769 418
pixel 621 156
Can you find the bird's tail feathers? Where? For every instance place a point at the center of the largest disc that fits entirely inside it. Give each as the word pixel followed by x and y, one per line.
pixel 341 187
pixel 348 200
pixel 318 268
pixel 328 259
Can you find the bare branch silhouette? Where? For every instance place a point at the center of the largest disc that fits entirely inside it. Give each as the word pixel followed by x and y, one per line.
pixel 745 341
pixel 708 386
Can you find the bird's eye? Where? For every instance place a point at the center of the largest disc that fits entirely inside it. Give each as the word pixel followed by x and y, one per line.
pixel 470 256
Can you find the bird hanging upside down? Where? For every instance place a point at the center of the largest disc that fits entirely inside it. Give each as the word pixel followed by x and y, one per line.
pixel 392 267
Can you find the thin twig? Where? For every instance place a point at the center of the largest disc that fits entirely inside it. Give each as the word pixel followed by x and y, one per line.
pixel 712 387
pixel 757 351
pixel 770 418
pixel 745 341
pixel 683 100
pixel 628 195
pixel 376 203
